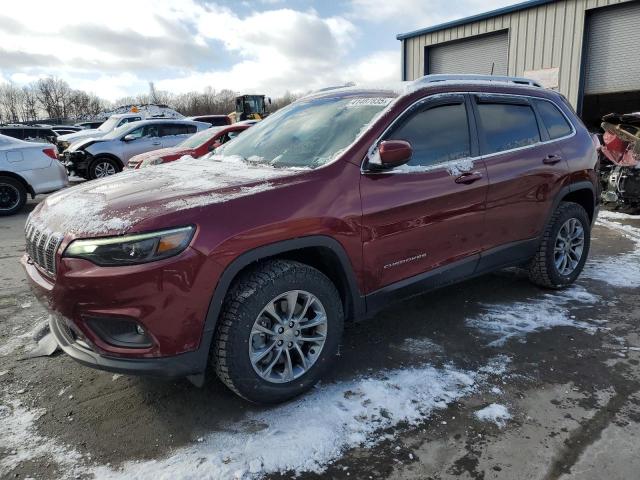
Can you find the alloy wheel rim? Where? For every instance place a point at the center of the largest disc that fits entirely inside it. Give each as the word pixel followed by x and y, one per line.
pixel 104 169
pixel 288 336
pixel 569 246
pixel 9 197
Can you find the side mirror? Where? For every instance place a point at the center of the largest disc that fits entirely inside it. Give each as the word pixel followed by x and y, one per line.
pixel 391 154
pixel 129 138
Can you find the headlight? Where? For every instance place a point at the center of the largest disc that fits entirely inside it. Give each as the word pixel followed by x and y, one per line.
pixel 131 249
pixel 150 161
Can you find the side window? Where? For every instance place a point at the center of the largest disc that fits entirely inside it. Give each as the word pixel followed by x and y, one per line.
pixel 128 120
pixel 137 133
pixel 505 126
pixel 13 132
pixel 438 134
pixel 177 129
pixel 151 131
pixel 233 134
pixel 218 122
pixel 556 123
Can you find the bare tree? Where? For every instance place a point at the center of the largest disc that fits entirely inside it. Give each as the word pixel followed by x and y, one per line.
pixel 10 102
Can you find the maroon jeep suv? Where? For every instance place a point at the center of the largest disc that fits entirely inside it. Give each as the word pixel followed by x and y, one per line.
pixel 250 261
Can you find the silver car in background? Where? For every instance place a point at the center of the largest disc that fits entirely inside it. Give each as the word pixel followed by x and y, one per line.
pixel 27 168
pixel 108 155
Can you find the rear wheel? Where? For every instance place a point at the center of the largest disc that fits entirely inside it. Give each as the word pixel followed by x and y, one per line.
pixel 103 167
pixel 564 248
pixel 13 196
pixel 279 331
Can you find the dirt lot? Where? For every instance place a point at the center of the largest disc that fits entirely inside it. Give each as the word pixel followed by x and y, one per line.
pixel 490 379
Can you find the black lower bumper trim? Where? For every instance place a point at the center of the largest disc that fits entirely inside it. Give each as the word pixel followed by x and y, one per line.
pixel 192 363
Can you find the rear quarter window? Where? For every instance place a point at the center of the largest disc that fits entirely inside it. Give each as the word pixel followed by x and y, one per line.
pixel 555 122
pixel 506 126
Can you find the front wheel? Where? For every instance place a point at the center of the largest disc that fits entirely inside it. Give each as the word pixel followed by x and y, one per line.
pixel 564 248
pixel 103 167
pixel 279 331
pixel 13 196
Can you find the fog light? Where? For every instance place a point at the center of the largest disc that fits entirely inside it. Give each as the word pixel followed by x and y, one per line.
pixel 120 332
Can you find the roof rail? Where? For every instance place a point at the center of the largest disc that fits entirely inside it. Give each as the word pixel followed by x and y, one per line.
pixel 484 78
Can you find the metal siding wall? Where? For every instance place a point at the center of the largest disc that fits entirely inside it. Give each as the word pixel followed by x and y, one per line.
pixel 548 36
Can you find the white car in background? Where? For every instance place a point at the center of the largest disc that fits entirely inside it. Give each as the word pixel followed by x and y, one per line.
pixel 113 122
pixel 108 155
pixel 27 168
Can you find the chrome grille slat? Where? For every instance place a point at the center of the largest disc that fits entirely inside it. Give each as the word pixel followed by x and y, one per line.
pixel 41 246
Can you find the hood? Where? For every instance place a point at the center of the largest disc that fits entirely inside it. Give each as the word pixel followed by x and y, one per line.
pixel 118 204
pixel 72 137
pixel 83 143
pixel 162 152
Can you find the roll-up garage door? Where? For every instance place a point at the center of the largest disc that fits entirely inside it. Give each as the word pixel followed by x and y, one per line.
pixel 613 54
pixel 481 55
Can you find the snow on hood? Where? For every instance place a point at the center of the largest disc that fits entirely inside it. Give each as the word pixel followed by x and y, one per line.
pixel 114 205
pixel 159 153
pixel 72 137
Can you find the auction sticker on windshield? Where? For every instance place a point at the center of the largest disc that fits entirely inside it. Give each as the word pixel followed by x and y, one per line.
pixel 367 102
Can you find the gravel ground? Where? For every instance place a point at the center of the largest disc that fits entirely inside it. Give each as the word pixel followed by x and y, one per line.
pixel 489 379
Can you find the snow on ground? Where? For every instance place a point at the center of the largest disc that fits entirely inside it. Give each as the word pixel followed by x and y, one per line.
pixel 20 438
pixel 505 321
pixel 495 413
pixel 418 346
pixel 308 434
pixel 621 270
pixel 304 435
pixel 23 339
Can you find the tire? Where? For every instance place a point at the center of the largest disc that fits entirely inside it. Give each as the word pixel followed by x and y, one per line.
pixel 13 196
pixel 243 308
pixel 103 167
pixel 543 270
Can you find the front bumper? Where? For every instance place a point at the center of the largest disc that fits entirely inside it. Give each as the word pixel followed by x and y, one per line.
pixel 76 162
pixel 78 348
pixel 167 298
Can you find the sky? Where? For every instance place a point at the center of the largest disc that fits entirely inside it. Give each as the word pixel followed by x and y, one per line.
pixel 115 48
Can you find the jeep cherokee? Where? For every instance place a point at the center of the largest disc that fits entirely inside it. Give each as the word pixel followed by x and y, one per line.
pixel 250 261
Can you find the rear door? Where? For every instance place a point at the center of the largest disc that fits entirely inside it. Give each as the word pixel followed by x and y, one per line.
pixel 430 212
pixel 524 165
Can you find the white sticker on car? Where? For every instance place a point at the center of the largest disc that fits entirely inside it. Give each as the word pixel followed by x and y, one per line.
pixel 372 101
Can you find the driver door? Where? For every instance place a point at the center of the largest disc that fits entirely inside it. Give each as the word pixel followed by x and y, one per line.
pixel 147 138
pixel 428 215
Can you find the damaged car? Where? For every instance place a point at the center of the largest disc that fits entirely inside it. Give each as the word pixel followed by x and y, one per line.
pixel 101 157
pixel 620 159
pixel 249 262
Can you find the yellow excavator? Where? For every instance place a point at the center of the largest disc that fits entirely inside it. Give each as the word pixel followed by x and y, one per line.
pixel 250 107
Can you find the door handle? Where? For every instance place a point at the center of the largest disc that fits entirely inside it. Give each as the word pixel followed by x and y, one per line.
pixel 468 178
pixel 552 159
pixel 156 143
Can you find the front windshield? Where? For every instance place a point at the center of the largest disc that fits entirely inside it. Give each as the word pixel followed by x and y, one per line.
pixel 194 141
pixel 121 130
pixel 307 133
pixel 108 125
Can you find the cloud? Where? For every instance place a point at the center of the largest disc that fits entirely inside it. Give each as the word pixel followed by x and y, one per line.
pixel 114 48
pixel 414 14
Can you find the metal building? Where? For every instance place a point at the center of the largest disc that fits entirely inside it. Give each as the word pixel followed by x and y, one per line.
pixel 586 49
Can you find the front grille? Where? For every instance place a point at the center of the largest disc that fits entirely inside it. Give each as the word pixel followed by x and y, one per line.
pixel 42 245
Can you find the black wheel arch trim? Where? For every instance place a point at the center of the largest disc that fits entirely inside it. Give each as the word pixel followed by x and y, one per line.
pixel 17 177
pixel 574 187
